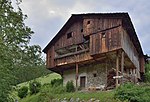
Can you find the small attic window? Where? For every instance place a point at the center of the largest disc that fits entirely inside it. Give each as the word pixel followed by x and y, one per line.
pixel 88 22
pixel 103 35
pixel 69 35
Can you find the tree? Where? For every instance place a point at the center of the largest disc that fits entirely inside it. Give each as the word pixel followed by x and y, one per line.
pixel 15 53
pixel 147 72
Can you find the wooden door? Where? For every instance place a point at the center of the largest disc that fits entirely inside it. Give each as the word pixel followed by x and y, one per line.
pixel 82 81
pixel 103 42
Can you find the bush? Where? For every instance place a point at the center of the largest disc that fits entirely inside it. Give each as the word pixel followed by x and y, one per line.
pixel 133 93
pixel 47 88
pixel 48 92
pixel 57 82
pixel 23 91
pixel 34 87
pixel 70 86
pixel 147 73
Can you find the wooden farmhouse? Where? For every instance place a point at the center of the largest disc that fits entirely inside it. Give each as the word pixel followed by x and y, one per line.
pixel 96 50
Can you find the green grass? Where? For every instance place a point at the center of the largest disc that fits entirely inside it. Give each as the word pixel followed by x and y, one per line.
pixel 43 79
pixel 100 95
pixel 32 98
pixel 103 96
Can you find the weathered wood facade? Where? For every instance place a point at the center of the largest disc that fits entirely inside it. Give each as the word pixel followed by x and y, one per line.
pixel 103 38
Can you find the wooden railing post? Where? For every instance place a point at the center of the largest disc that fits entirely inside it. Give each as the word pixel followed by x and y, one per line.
pixel 77 70
pixel 122 65
pixel 117 69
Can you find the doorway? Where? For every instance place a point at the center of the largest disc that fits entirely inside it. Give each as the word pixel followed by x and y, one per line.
pixel 82 81
pixel 110 80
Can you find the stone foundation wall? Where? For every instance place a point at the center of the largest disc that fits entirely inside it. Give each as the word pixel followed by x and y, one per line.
pixel 96 75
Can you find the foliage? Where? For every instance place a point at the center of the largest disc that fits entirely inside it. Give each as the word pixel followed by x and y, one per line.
pixel 34 87
pixel 57 82
pixel 54 90
pixel 26 74
pixel 48 92
pixel 147 72
pixel 31 98
pixel 133 93
pixel 23 91
pixel 43 79
pixel 70 86
pixel 17 58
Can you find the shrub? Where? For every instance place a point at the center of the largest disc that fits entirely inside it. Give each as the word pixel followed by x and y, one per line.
pixel 133 93
pixel 59 89
pixel 147 72
pixel 34 87
pixel 47 88
pixel 23 91
pixel 70 86
pixel 48 93
pixel 57 82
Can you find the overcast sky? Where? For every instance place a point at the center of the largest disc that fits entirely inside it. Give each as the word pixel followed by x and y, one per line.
pixel 46 17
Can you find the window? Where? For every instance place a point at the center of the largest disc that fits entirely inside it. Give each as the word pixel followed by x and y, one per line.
pixel 69 35
pixel 103 35
pixel 86 38
pixel 81 30
pixel 94 75
pixel 88 22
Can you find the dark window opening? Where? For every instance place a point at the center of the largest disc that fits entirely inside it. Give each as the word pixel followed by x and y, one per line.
pixel 88 22
pixel 103 35
pixel 94 75
pixel 86 38
pixel 81 30
pixel 69 35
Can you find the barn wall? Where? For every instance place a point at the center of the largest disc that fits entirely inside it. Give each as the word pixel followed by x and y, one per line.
pixel 105 41
pixel 108 40
pixel 69 75
pixel 50 57
pixel 93 25
pixel 130 50
pixel 142 63
pixel 77 36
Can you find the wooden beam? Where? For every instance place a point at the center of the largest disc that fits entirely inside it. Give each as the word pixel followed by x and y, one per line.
pixel 106 29
pixel 122 65
pixel 106 71
pixel 117 68
pixel 77 72
pixel 70 54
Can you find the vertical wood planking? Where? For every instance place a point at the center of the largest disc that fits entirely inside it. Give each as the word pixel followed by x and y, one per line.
pixel 75 39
